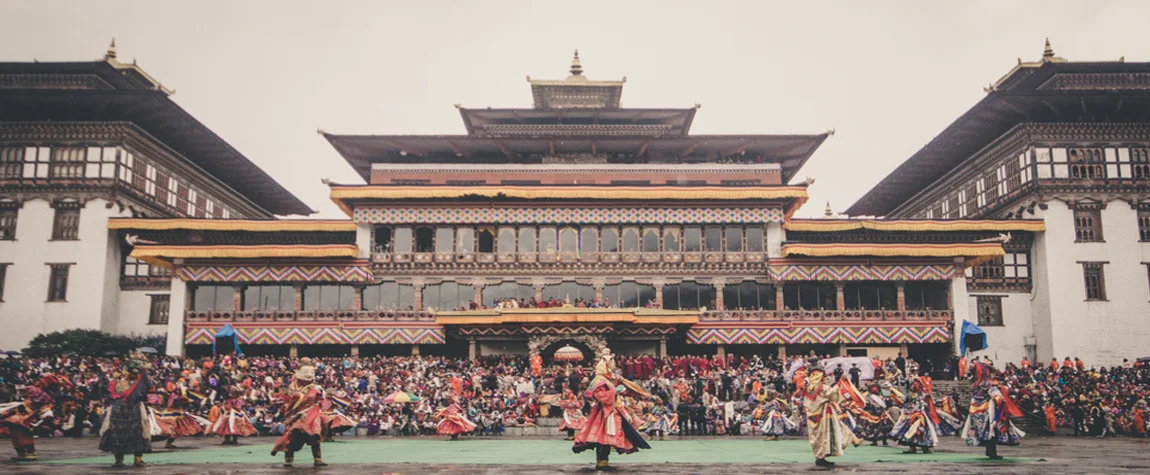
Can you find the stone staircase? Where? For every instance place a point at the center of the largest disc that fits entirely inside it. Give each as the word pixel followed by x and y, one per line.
pixel 544 426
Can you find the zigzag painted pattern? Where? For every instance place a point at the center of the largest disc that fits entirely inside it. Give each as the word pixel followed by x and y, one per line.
pixel 401 215
pixel 853 272
pixel 323 336
pixel 274 274
pixel 861 335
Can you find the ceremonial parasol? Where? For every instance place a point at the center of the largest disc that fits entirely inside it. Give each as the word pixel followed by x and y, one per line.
pixel 401 397
pixel 147 350
pixel 568 353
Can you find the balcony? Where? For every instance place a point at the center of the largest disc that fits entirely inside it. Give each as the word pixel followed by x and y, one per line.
pixel 824 315
pixel 571 257
pixel 314 316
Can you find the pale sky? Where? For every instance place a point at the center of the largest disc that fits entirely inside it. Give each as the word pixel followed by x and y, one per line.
pixel 887 76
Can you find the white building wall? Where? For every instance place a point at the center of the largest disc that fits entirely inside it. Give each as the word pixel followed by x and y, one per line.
pixel 135 307
pixel 26 312
pixel 1006 343
pixel 1099 332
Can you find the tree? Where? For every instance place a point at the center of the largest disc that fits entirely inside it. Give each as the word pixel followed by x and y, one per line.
pixel 79 342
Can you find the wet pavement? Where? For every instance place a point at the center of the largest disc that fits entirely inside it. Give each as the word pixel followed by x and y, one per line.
pixel 1037 455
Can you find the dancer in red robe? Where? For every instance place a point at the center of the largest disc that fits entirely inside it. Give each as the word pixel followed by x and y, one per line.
pixel 233 423
pixel 303 416
pixel 19 418
pixel 573 418
pixel 175 421
pixel 452 421
pixel 607 426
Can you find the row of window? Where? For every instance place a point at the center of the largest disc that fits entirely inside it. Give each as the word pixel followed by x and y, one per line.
pixel 58 291
pixel 688 295
pixel 1043 163
pixel 585 239
pixel 110 163
pixel 65 223
pixel 1094 286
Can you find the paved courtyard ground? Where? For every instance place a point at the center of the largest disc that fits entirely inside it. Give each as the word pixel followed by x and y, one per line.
pixel 734 456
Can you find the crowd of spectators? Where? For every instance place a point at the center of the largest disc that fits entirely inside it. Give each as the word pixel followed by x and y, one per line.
pixel 711 395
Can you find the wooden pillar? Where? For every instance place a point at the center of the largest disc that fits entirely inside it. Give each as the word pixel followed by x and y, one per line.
pixel 354 350
pixel 779 296
pixel 297 302
pixel 663 348
pixel 842 349
pixel 357 299
pixel 418 298
pixel 472 351
pixel 415 350
pixel 782 352
pixel 478 294
pixel 238 299
pixel 539 292
pixel 900 288
pixel 293 351
pixel 719 284
pixel 599 293
pixel 721 351
pixel 658 295
pixel 840 297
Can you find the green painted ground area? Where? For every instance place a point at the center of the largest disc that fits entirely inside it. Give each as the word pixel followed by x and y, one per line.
pixel 540 452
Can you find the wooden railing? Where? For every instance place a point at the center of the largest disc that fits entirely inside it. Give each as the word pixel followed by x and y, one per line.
pixel 316 316
pixel 570 257
pixel 823 315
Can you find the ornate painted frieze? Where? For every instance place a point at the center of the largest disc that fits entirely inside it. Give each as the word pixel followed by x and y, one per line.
pixel 409 215
pixel 313 334
pixel 298 273
pixel 861 272
pixel 786 334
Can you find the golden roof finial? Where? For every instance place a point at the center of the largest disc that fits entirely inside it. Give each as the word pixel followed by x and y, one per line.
pixel 111 53
pixel 1048 52
pixel 576 66
pixel 829 212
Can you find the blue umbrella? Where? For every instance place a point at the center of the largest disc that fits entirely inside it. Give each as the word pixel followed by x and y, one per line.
pixel 971 336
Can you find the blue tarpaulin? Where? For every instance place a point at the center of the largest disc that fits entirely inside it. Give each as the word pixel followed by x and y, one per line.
pixel 227 331
pixel 973 335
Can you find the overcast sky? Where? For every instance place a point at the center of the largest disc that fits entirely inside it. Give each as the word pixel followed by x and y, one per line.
pixel 887 76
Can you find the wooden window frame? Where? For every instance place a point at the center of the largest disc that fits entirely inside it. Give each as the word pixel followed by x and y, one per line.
pixel 3 278
pixel 56 293
pixel 1094 281
pixel 9 218
pixel 1092 231
pixel 989 302
pixel 159 309
pixel 66 222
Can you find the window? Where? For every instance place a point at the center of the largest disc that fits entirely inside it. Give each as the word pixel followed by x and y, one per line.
pixel 486 240
pixel 1140 158
pixel 329 297
pixel 869 295
pixel 1088 224
pixel 504 291
pixel 382 239
pixel 402 240
pixel 748 295
pixel 67 162
pixel 158 313
pixel 927 295
pixel 687 295
pixel 269 298
pixel 388 296
pixel 989 310
pixel 424 239
pixel 810 296
pixel 465 241
pixel 1009 271
pixel 133 267
pixel 66 224
pixel 1143 223
pixel 569 290
pixel 213 298
pixel 444 240
pixel 734 239
pixel 651 240
pixel 3 278
pixel 448 296
pixel 713 239
pixel 548 243
pixel 526 240
pixel 610 240
pixel 568 240
pixel 670 239
pixel 629 294
pixel 1086 163
pixel 58 282
pixel 754 239
pixel 8 218
pixel 588 241
pixel 692 239
pixel 630 239
pixel 11 162
pixel 1094 280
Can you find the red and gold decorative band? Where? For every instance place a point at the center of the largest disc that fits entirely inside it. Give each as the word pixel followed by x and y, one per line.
pixel 832 225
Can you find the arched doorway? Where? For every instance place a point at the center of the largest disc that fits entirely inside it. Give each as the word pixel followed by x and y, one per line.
pixel 548 352
pixel 545 346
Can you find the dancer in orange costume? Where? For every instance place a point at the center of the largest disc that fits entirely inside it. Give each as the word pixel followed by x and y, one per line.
pixel 303 416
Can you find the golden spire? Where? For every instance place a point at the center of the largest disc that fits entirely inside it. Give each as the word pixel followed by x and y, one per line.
pixel 576 67
pixel 111 53
pixel 1048 52
pixel 829 212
